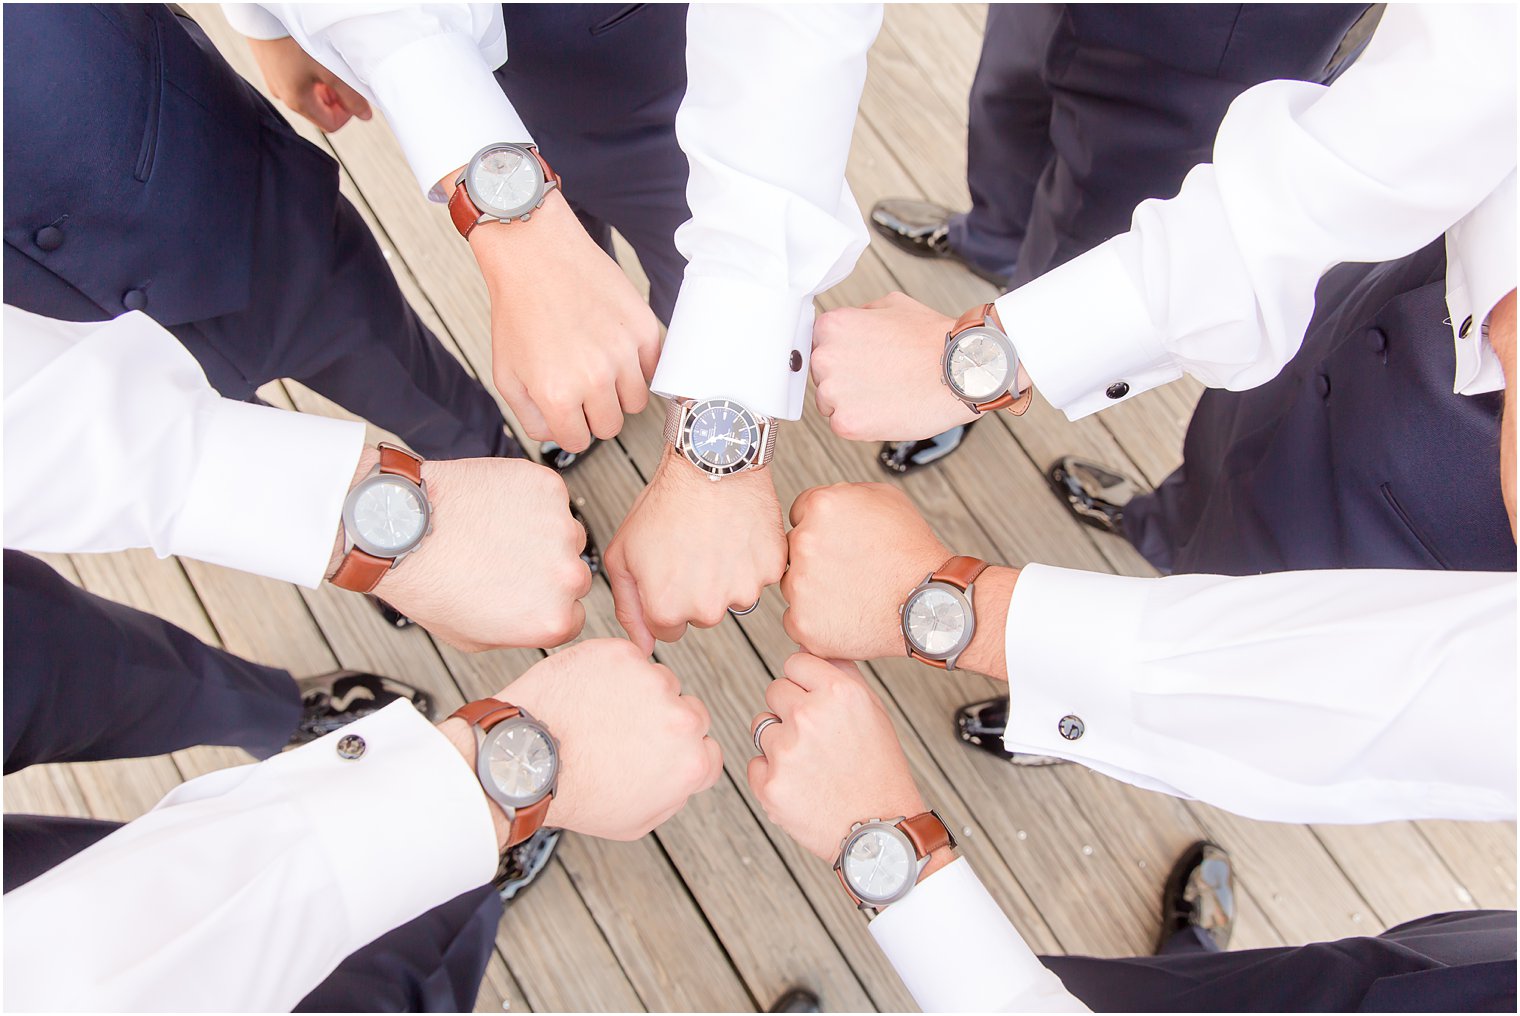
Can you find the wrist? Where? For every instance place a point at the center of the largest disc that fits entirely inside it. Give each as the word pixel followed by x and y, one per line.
pixel 495 244
pixel 369 458
pixel 462 737
pixel 987 653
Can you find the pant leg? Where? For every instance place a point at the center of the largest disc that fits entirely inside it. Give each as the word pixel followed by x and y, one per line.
pixel 1461 962
pixel 37 843
pixel 1137 95
pixel 599 86
pixel 1008 134
pixel 89 679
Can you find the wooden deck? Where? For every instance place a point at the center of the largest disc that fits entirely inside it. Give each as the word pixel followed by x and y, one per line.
pixel 718 910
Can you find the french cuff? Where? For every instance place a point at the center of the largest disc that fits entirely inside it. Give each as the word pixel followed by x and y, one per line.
pixel 730 339
pixel 267 491
pixel 444 105
pixel 400 812
pixel 956 951
pixel 254 22
pixel 1481 271
pixel 1084 334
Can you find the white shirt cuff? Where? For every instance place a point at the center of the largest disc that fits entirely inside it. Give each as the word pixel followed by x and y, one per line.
pixel 267 492
pixel 253 21
pixel 956 951
pixel 444 104
pixel 1084 334
pixel 730 339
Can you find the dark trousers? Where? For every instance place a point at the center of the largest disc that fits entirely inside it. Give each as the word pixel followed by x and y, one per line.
pixel 599 85
pixel 87 679
pixel 1080 112
pixel 1459 962
pixel 297 284
pixel 1357 455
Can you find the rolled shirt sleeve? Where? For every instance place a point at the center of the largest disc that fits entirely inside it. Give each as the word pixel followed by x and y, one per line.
pixel 114 439
pixel 1333 696
pixel 1219 281
pixel 243 889
pixel 772 92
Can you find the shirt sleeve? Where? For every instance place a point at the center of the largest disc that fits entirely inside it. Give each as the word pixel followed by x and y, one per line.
pixel 115 439
pixel 428 67
pixel 1329 696
pixel 956 951
pixel 243 889
pixel 771 97
pixel 1219 281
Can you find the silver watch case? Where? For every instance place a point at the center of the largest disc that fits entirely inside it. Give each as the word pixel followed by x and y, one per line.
pixel 483 739
pixel 888 825
pixel 952 339
pixel 682 414
pixel 493 213
pixel 353 538
pixel 966 600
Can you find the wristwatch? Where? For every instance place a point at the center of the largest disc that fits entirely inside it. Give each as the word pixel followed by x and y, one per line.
pixel 502 182
pixel 938 617
pixel 385 517
pixel 719 436
pixel 517 760
pixel 980 364
pixel 880 861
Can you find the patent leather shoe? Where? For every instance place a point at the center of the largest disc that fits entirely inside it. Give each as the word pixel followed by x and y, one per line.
pixel 391 615
pixel 331 701
pixel 1199 898
pixel 592 554
pixel 561 461
pixel 922 228
pixel 1095 494
pixel 522 864
pixel 903 457
pixel 981 725
pixel 797 1000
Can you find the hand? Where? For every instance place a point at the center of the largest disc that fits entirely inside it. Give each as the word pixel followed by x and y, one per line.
pixel 305 86
pixel 502 564
pixel 690 549
pixel 878 375
pixel 573 345
pixel 632 748
pixel 833 760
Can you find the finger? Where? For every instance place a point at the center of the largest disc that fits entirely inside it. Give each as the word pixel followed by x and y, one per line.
pixel 808 671
pixel 714 763
pixel 665 632
pixel 311 106
pixel 758 772
pixel 567 426
pixel 625 602
pixel 523 407
pixel 604 414
pixel 767 739
pixel 649 353
pixel 784 695
pixel 696 708
pixel 822 399
pixel 352 101
pixel 632 390
pixel 799 506
pixel 849 668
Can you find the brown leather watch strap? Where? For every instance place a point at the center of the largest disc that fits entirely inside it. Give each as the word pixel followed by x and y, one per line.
pixel 400 462
pixel 927 832
pixel 485 713
pixel 977 317
pixel 463 211
pixel 359 571
pixel 973 318
pixel 959 572
pixel 529 820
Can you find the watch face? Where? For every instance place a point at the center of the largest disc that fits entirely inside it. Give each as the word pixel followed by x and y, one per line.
pixel 936 621
pixel 720 436
pixel 879 864
pixel 519 760
pixel 386 516
pixel 505 181
pixel 980 365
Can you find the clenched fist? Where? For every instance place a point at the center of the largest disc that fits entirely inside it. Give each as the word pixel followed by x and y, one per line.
pixel 305 86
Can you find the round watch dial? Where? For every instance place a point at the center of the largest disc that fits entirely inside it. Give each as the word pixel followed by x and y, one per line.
pixel 720 436
pixel 520 761
pixel 505 181
pixel 879 864
pixel 389 515
pixel 936 621
pixel 980 365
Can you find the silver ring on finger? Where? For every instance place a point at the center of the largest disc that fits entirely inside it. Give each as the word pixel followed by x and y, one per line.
pixel 765 721
pixel 747 610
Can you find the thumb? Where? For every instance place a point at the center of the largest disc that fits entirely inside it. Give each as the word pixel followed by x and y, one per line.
pixel 626 603
pixel 351 99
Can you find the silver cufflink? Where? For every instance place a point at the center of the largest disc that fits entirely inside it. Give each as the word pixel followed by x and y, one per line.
pixel 350 747
pixel 1071 727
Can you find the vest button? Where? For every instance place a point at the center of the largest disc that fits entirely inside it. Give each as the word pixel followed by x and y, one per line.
pixel 134 299
pixel 1377 340
pixel 49 238
pixel 1323 384
pixel 1117 390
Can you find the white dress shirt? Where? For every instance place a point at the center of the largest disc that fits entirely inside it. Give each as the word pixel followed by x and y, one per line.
pixel 1416 139
pixel 243 889
pixel 115 439
pixel 770 105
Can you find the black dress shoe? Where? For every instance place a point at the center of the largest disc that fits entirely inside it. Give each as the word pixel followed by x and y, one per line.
pixel 797 1000
pixel 334 700
pixel 392 616
pixel 1095 494
pixel 592 555
pixel 1200 898
pixel 981 725
pixel 903 457
pixel 522 864
pixel 922 228
pixel 561 461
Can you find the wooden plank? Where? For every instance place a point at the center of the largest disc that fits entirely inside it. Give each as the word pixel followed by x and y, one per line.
pixel 1481 854
pixel 1395 869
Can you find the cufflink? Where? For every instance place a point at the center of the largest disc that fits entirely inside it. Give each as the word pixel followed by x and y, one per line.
pixel 1071 727
pixel 351 747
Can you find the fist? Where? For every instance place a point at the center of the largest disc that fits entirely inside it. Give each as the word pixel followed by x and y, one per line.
pixel 632 747
pixel 856 551
pixel 877 371
pixel 502 564
pixel 833 760
pixel 305 86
